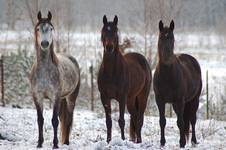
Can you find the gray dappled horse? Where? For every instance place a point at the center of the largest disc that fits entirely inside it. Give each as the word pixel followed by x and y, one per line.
pixel 56 77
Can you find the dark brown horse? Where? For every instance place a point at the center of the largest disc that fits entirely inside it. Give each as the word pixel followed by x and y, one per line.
pixel 177 80
pixel 126 78
pixel 56 77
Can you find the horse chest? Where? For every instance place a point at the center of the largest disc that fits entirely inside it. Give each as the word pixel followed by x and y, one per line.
pixel 44 82
pixel 110 87
pixel 168 88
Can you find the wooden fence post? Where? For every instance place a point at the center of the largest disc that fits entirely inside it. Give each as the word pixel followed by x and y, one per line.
pixel 92 89
pixel 2 80
pixel 171 111
pixel 207 96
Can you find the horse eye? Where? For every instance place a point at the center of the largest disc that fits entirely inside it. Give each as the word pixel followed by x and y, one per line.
pixel 37 29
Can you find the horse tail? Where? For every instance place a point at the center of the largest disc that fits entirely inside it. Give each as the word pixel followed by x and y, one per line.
pixel 63 119
pixel 66 115
pixel 186 117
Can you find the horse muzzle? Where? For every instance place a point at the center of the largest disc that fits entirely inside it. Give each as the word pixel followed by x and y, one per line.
pixel 109 48
pixel 44 44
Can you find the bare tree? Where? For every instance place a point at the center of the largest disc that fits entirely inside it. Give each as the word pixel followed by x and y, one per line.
pixel 32 9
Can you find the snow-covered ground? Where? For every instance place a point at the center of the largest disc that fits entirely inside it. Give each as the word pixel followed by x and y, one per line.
pixel 19 128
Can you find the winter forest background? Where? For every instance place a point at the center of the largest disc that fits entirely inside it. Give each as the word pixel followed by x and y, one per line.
pixel 199 31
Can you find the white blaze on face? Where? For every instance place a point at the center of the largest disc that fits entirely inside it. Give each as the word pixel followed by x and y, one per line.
pixel 166 34
pixel 45 35
pixel 109 28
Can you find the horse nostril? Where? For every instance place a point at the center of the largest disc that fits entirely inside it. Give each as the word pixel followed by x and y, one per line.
pixel 109 47
pixel 44 44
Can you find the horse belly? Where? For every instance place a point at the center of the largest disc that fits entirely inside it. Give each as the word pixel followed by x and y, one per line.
pixel 44 89
pixel 68 84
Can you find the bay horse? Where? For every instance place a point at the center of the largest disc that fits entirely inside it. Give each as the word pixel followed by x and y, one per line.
pixel 177 80
pixel 56 77
pixel 126 78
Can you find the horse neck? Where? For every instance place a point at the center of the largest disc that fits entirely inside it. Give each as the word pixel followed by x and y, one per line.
pixel 166 55
pixel 46 56
pixel 113 63
pixel 168 70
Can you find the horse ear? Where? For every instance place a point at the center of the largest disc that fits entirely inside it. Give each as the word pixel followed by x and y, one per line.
pixel 39 16
pixel 172 25
pixel 105 20
pixel 160 25
pixel 49 15
pixel 116 20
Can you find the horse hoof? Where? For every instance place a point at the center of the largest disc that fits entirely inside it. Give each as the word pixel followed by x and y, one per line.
pixel 66 142
pixel 194 143
pixel 161 146
pixel 39 146
pixel 139 140
pixel 182 145
pixel 162 142
pixel 55 147
pixel 108 140
pixel 132 140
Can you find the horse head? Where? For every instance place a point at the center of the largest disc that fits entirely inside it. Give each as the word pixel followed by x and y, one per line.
pixel 166 42
pixel 44 31
pixel 109 35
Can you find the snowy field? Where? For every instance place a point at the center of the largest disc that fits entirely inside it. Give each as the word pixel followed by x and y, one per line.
pixel 19 128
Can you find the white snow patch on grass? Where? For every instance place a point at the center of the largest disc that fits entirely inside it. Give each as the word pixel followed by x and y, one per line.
pixel 20 130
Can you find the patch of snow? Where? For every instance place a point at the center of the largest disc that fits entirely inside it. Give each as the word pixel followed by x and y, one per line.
pixel 20 130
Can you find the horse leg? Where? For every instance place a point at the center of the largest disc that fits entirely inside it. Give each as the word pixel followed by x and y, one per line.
pixel 186 117
pixel 140 104
pixel 194 108
pixel 140 117
pixel 40 120
pixel 132 128
pixel 107 107
pixel 121 120
pixel 162 120
pixel 132 111
pixel 140 120
pixel 193 122
pixel 179 109
pixel 55 122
